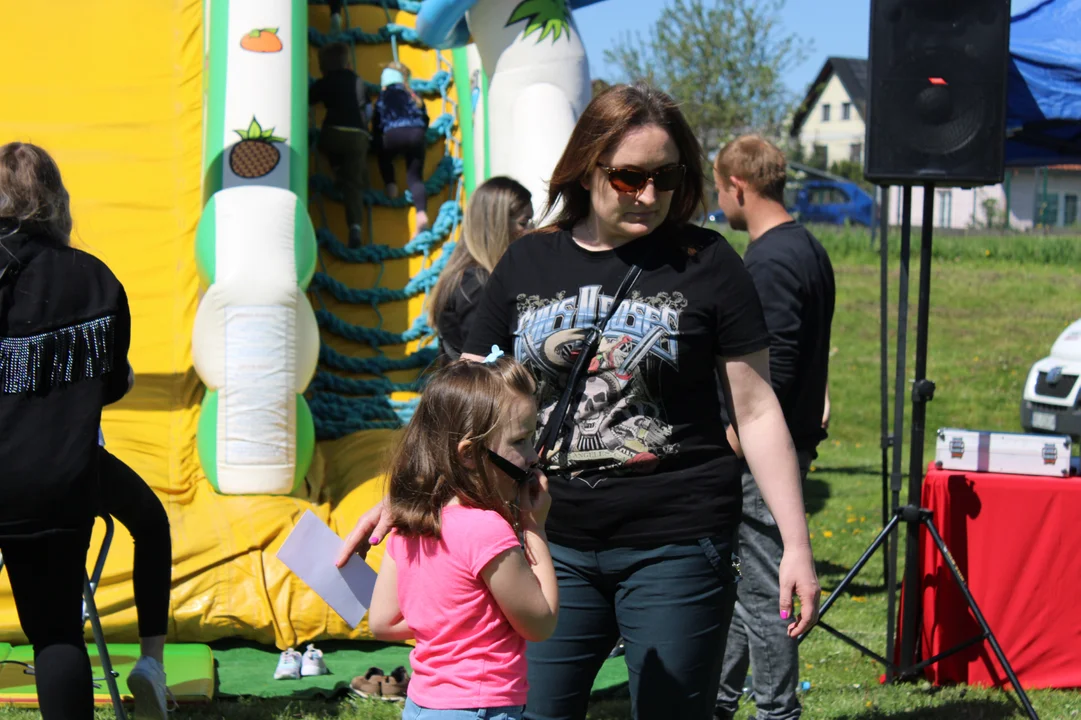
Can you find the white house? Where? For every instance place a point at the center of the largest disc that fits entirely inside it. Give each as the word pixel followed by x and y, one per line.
pixel 829 125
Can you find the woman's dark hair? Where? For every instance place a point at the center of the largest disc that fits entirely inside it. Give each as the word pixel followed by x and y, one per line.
pixel 489 227
pixel 607 118
pixel 32 193
pixel 462 401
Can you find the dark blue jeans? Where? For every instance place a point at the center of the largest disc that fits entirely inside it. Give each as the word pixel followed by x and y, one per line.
pixel 672 605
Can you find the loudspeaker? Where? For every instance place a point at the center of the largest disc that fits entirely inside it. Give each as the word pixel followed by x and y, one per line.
pixel 936 104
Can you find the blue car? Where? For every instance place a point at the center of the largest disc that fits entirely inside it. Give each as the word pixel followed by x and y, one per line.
pixel 834 202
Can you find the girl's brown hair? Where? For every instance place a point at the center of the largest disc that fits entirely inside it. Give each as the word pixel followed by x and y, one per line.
pixel 607 118
pixel 32 192
pixel 489 227
pixel 462 401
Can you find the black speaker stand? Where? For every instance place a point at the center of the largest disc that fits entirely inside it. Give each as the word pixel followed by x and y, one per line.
pixel 912 515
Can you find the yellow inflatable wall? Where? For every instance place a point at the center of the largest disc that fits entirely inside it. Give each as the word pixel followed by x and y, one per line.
pixel 113 89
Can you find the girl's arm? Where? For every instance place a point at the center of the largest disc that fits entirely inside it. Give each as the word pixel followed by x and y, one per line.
pixel 528 594
pixel 759 423
pixel 385 620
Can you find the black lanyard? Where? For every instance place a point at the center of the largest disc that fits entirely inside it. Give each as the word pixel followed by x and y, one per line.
pixel 557 424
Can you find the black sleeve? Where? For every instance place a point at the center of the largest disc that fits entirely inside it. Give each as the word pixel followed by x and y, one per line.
pixel 315 92
pixel 116 381
pixel 492 314
pixel 741 328
pixel 779 293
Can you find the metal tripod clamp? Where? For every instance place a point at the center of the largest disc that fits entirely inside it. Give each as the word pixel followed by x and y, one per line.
pixel 923 390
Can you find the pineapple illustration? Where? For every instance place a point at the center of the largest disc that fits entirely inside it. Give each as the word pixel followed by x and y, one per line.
pixel 255 155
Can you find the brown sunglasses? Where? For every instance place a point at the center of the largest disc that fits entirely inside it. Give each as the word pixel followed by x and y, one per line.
pixel 631 180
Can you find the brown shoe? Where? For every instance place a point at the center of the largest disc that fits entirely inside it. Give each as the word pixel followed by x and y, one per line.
pixel 394 686
pixel 369 684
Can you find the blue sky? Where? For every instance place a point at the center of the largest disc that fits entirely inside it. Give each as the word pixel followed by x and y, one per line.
pixel 835 27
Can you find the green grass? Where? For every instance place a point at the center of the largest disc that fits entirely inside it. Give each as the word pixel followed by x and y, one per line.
pixel 991 318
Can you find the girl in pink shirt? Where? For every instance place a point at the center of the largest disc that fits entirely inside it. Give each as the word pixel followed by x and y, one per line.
pixel 463 485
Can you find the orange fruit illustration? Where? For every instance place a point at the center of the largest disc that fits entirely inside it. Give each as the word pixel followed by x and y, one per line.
pixel 263 40
pixel 255 155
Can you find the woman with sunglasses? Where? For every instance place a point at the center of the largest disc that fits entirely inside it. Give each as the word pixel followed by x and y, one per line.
pixel 499 212
pixel 646 491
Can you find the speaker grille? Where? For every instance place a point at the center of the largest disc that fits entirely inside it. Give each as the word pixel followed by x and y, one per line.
pixel 936 104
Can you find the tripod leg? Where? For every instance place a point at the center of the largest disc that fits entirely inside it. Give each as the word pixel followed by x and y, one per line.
pixel 855 570
pixel 956 572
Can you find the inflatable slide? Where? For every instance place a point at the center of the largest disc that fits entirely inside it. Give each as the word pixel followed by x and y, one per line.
pixel 274 363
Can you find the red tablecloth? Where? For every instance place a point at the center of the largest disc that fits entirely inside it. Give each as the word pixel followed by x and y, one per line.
pixel 1017 540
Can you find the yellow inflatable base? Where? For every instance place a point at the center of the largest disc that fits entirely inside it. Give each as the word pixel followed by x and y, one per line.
pixel 190 669
pixel 122 112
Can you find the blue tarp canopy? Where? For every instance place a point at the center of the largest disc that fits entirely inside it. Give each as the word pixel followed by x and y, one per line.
pixel 1043 105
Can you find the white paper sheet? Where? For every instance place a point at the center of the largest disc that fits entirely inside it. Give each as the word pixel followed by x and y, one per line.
pixel 310 551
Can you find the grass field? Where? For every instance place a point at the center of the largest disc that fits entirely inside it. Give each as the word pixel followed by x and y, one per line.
pixel 997 305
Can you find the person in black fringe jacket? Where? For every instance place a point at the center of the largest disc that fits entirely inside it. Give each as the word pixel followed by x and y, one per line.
pixel 64 334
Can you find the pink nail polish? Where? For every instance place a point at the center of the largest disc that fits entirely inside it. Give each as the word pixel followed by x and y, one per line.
pixel 784 614
pixel 375 540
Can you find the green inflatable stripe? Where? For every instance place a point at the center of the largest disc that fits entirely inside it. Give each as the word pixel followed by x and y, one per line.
pixel 460 59
pixel 305 248
pixel 298 141
pixel 206 244
pixel 214 129
pixel 206 437
pixel 305 441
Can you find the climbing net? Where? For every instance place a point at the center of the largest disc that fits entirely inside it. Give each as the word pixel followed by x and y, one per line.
pixel 342 405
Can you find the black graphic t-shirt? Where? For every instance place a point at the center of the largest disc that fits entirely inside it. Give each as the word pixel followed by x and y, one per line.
pixel 647 462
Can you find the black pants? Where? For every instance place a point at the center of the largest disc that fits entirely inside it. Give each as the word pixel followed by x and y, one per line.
pixel 47 575
pixel 346 149
pixel 408 142
pixel 128 498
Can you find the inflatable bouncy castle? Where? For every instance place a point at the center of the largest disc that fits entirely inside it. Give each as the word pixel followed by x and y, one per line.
pixel 274 362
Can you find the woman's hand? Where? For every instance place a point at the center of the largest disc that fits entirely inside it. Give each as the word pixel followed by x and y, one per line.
pixel 370 529
pixel 798 579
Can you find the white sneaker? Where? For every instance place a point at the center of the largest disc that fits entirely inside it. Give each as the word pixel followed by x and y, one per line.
pixel 312 663
pixel 146 681
pixel 288 666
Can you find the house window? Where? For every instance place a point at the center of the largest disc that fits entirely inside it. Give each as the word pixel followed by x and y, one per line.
pixel 846 111
pixel 855 152
pixel 1047 209
pixel 1069 210
pixel 825 112
pixel 820 157
pixel 945 208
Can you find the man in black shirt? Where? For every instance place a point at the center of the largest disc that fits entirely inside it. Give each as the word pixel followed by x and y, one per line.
pixel 344 137
pixel 794 279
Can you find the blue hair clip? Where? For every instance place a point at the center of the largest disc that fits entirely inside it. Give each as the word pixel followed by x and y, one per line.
pixel 494 355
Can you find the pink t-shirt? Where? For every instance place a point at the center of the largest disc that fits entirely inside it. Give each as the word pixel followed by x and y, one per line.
pixel 467 653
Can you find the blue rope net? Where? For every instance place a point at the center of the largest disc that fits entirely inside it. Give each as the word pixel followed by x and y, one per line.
pixel 343 405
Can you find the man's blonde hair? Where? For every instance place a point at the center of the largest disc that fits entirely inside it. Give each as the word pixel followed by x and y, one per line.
pixel 757 162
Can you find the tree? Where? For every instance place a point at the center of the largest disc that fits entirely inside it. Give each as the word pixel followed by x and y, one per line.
pixel 853 170
pixel 722 60
pixel 598 86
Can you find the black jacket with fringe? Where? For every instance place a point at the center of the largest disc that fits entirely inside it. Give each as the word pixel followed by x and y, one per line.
pixel 64 335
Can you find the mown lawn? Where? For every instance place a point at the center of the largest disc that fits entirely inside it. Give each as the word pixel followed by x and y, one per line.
pixel 998 304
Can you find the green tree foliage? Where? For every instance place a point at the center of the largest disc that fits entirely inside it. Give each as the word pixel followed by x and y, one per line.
pixel 724 61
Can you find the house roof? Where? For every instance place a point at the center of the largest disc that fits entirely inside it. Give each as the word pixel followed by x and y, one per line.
pixel 852 72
